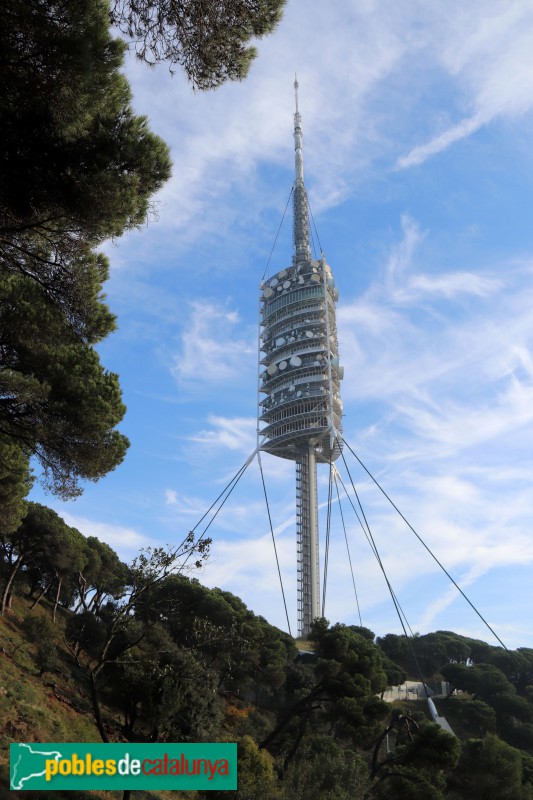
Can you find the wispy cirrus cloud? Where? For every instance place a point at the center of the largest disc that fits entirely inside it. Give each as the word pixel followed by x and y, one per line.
pixel 233 433
pixel 213 349
pixel 485 49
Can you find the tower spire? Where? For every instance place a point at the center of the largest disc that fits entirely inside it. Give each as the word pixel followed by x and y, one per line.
pixel 302 249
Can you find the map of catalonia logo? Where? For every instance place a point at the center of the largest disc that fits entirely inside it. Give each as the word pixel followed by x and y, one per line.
pixel 86 766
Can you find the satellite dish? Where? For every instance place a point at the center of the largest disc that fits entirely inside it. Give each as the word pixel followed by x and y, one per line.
pixel 280 342
pixel 280 287
pixel 274 282
pixel 282 274
pixel 282 364
pixel 268 292
pixel 319 357
pixel 298 394
pixel 272 369
pixel 300 279
pixel 295 361
pixel 291 388
pixel 315 278
pixel 309 334
pixel 287 285
pixel 314 269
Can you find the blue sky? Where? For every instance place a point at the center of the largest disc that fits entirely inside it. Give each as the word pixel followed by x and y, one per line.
pixel 418 122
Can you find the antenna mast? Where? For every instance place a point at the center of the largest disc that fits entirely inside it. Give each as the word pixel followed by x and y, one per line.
pixel 302 250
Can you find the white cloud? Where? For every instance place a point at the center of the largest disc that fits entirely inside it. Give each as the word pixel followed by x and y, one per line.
pixel 233 433
pixel 211 352
pixel 462 129
pixel 486 50
pixel 126 541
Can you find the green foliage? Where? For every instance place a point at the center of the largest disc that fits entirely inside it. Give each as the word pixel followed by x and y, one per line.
pixel 339 691
pixel 73 149
pixel 102 576
pixel 256 777
pixel 395 647
pixel 510 705
pixel 461 677
pixel 46 657
pixel 15 483
pixel 324 770
pixel 60 404
pixel 209 41
pixel 38 628
pixel 404 783
pixel 395 674
pixel 491 682
pixel 432 651
pixel 489 769
pixel 77 167
pixel 39 534
pixel 473 714
pixel 432 750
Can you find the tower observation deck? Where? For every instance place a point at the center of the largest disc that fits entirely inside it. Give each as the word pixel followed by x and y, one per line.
pixel 300 408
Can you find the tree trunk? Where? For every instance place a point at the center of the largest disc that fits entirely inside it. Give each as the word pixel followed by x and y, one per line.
pixel 9 583
pixel 35 602
pixel 97 711
pixel 56 601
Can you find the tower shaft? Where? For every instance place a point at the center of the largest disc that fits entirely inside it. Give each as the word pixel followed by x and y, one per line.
pixel 307 540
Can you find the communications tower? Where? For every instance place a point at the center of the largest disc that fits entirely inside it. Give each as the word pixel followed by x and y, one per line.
pixel 300 408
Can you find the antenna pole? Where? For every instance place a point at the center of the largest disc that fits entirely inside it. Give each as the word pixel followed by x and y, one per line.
pixel 302 249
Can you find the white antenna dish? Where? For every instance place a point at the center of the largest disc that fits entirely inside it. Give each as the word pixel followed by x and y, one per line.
pixel 274 282
pixel 296 361
pixel 309 334
pixel 280 342
pixel 272 369
pixel 268 292
pixel 282 274
pixel 283 365
pixel 287 285
pixel 315 278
